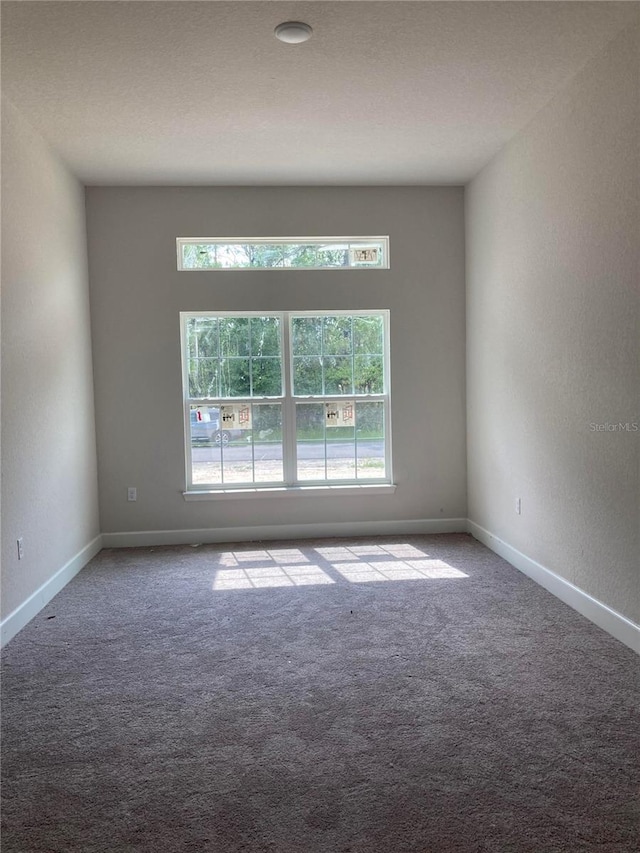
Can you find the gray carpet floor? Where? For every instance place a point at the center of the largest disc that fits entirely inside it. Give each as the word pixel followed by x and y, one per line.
pixel 332 696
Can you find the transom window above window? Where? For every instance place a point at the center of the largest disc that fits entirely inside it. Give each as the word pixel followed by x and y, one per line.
pixel 286 399
pixel 293 253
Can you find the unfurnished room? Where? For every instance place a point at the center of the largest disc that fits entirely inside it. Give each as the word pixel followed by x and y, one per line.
pixel 320 426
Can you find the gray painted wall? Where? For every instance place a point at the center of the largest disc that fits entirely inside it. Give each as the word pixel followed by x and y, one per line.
pixel 552 322
pixel 137 294
pixel 49 478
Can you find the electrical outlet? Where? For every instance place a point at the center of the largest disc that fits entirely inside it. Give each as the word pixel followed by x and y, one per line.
pixel 132 493
pixel 519 506
pixel 20 548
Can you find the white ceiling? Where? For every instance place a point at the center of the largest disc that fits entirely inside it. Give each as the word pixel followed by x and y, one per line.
pixel 202 93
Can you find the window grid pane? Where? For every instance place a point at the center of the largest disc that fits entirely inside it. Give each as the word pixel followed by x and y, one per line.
pixel 340 453
pixel 337 355
pixel 223 455
pixel 234 357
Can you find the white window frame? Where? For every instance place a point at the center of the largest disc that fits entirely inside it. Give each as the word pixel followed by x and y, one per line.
pixel 284 241
pixel 290 484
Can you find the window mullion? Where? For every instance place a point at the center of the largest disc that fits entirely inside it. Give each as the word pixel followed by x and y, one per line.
pixel 253 445
pixel 289 454
pixel 353 389
pixel 386 374
pixel 184 348
pixel 355 441
pixel 188 450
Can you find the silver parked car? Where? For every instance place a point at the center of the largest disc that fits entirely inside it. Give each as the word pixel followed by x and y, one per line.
pixel 205 427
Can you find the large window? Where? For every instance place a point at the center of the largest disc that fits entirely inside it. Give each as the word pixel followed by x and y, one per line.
pixel 286 399
pixel 280 253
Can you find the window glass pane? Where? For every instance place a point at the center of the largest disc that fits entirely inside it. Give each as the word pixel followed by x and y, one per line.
pixel 233 256
pixel 310 441
pixel 323 453
pixel 301 255
pixel 203 377
pixel 306 335
pixel 368 374
pixel 236 437
pixel 235 377
pixel 370 436
pixel 265 336
pixel 205 446
pixel 338 375
pixel 333 255
pixel 341 453
pixel 267 443
pixel 206 466
pixel 307 376
pixel 234 336
pixel 337 336
pixel 266 377
pixel 253 454
pixel 202 337
pixel 237 462
pixel 367 335
pixel 264 256
pixel 200 256
pixel 369 255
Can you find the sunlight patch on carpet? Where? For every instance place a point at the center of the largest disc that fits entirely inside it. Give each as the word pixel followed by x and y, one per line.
pixel 270 576
pixel 397 570
pixel 259 569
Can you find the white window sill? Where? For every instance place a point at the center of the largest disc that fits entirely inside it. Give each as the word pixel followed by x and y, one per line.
pixel 291 492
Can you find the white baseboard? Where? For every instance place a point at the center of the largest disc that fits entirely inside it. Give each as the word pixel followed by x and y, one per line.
pixel 25 612
pixel 285 531
pixel 600 614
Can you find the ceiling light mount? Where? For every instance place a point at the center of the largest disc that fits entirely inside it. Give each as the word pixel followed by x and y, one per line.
pixel 293 32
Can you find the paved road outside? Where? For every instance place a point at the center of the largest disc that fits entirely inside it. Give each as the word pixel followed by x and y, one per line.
pixel 237 452
pixel 238 467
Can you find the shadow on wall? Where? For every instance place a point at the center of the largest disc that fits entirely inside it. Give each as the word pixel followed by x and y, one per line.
pixel 327 565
